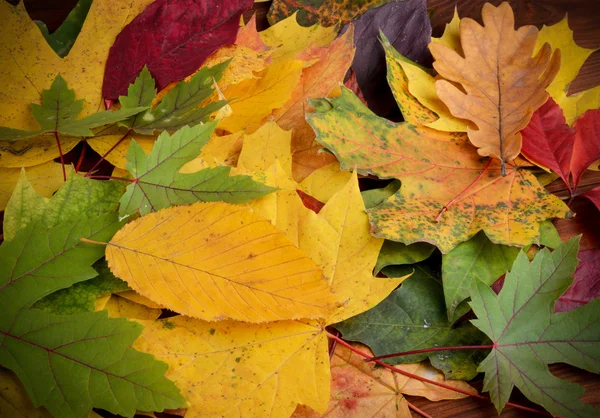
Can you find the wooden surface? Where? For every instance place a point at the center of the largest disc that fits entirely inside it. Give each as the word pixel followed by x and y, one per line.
pixel 584 19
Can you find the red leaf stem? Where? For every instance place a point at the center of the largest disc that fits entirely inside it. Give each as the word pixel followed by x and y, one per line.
pixel 81 156
pixel 418 411
pixel 62 157
pixel 107 152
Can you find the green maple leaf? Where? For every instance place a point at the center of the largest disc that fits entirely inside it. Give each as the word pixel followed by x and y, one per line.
pixel 58 113
pixel 158 184
pixel 180 107
pixel 528 335
pixel 413 317
pixel 77 196
pixel 475 259
pixel 69 364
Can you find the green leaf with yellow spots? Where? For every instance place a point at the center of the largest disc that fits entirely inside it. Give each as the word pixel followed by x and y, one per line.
pixel 448 192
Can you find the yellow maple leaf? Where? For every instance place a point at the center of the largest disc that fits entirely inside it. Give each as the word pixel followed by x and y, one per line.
pixel 560 37
pixel 361 389
pixel 288 38
pixel 451 36
pixel 215 261
pixel 324 182
pixel 25 74
pixel 45 178
pixel 252 100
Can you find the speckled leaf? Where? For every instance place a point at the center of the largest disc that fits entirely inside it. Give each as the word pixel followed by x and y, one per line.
pixel 62 39
pixel 78 195
pixel 158 183
pixel 327 13
pixel 407 24
pixel 81 297
pixel 528 335
pixel 448 192
pixel 475 259
pixel 396 253
pixel 411 318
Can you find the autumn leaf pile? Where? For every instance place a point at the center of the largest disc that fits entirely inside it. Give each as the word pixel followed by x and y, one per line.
pixel 199 216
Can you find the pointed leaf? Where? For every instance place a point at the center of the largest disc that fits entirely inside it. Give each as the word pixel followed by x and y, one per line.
pixel 171 51
pixel 158 183
pixel 586 286
pixel 411 318
pixel 527 335
pixel 448 192
pixel 502 94
pixel 181 105
pixel 475 259
pixel 407 24
pixel 215 261
pixel 594 196
pixel 586 148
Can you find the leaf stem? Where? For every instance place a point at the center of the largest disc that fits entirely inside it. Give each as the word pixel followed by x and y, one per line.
pixel 62 157
pixel 418 411
pixel 81 156
pixel 445 208
pixel 108 152
pixel 91 241
pixel 430 350
pixel 433 382
pixel 112 178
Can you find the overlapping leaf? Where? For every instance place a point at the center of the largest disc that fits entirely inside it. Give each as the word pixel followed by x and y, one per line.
pixel 527 335
pixel 359 388
pixel 586 286
pixel 324 12
pixel 171 51
pixel 448 192
pixel 46 179
pixel 412 318
pixel 560 37
pixel 503 84
pixel 407 24
pixel 157 183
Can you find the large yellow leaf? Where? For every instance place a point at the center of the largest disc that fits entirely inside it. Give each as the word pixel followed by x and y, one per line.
pixel 30 65
pixel 324 182
pixel 252 100
pixel 45 178
pixel 262 148
pixel 560 37
pixel 503 84
pixel 338 238
pixel 361 389
pixel 289 38
pixel 233 369
pixel 215 261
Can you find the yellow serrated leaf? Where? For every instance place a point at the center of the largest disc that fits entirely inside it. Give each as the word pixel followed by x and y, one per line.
pixel 339 240
pixel 215 261
pixel 232 369
pixel 263 147
pixel 45 178
pixel 254 99
pixel 288 38
pixel 560 36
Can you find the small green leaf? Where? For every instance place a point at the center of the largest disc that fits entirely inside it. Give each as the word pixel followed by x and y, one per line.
pixel 181 106
pixel 141 93
pixel 413 318
pixel 475 259
pixel 158 183
pixel 63 38
pixel 396 253
pixel 374 197
pixel 58 111
pixel 528 335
